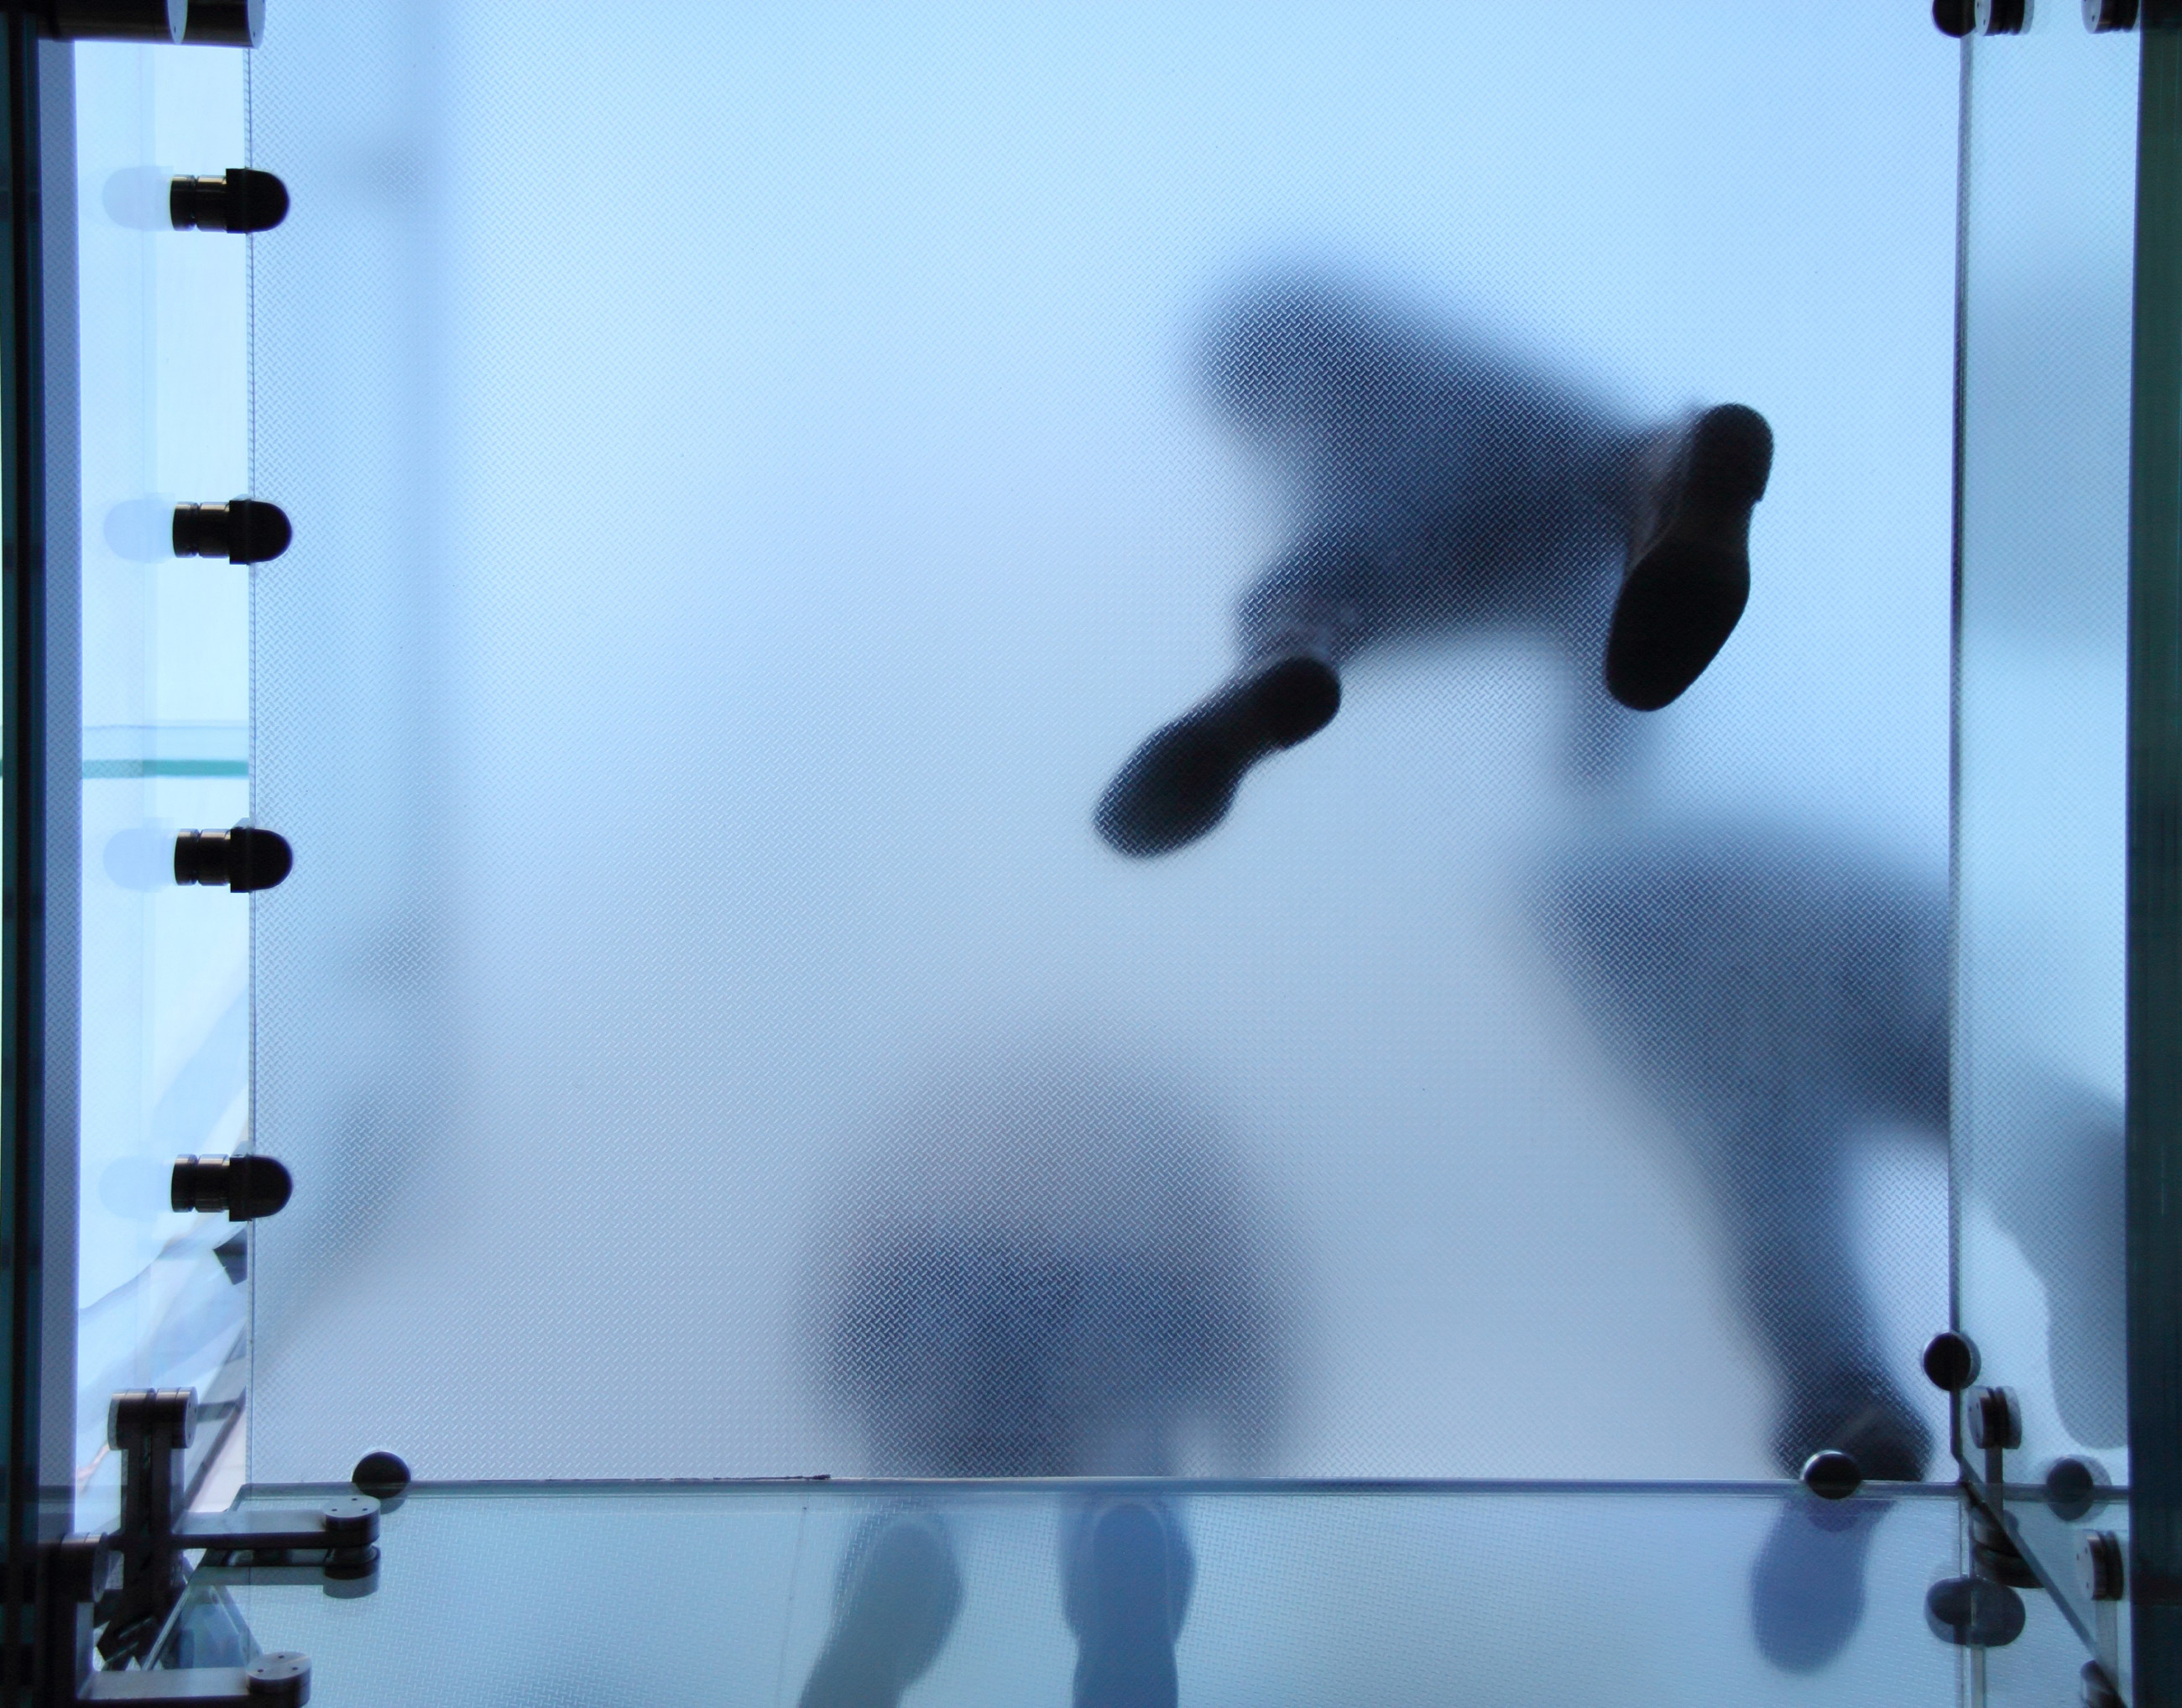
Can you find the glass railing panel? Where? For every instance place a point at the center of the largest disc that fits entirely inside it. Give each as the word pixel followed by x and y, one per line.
pixel 2042 746
pixel 736 555
pixel 164 323
pixel 781 1593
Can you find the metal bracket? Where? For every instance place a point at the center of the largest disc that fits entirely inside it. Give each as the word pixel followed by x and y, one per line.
pixel 76 1569
pixel 125 1586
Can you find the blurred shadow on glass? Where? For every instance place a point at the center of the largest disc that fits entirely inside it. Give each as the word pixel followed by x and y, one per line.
pixel 1781 997
pixel 1049 1266
pixel 1447 484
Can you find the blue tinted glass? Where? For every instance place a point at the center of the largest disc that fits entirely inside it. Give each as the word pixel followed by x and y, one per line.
pixel 756 996
pixel 162 324
pixel 2049 246
pixel 1014 1594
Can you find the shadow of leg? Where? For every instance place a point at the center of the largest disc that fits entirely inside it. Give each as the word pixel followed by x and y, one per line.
pixel 899 1591
pixel 1126 1576
pixel 1807 1588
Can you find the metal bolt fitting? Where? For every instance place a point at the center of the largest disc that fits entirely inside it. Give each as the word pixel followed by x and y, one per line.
pixel 1832 1475
pixel 1995 1418
pixel 282 1677
pixel 1951 1361
pixel 2100 1566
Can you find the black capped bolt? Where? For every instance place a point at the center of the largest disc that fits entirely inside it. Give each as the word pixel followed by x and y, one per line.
pixel 1975 1613
pixel 2005 17
pixel 2072 1487
pixel 1832 1475
pixel 225 23
pixel 1955 17
pixel 2101 1567
pixel 136 1412
pixel 239 200
pixel 1994 1553
pixel 244 859
pixel 242 530
pixel 281 1678
pixel 245 1187
pixel 1996 1419
pixel 2102 15
pixel 382 1475
pixel 113 21
pixel 351 1521
pixel 1951 1361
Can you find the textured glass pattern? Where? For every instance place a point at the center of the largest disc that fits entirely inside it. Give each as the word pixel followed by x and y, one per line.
pixel 2049 230
pixel 753 996
pixel 164 318
pixel 530 1597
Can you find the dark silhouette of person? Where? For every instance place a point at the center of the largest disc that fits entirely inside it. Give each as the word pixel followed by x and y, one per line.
pixel 1045 1269
pixel 1783 995
pixel 1450 486
pixel 1780 997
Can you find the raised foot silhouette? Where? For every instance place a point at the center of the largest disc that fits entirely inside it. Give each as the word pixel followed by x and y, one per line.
pixel 1181 782
pixel 1686 590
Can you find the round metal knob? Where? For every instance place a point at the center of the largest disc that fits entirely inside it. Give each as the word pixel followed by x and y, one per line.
pixel 1995 1418
pixel 1832 1475
pixel 2101 1566
pixel 282 1676
pixel 1951 1361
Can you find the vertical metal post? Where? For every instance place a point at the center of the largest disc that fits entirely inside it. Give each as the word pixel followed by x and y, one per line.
pixel 40 740
pixel 22 831
pixel 2155 890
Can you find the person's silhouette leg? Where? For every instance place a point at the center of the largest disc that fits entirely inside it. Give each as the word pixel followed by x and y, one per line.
pixel 897 1594
pixel 1181 782
pixel 2048 1157
pixel 1780 997
pixel 1127 1573
pixel 1494 538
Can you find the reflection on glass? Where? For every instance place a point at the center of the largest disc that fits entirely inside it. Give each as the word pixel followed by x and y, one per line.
pixel 1053 1593
pixel 741 1008
pixel 2043 699
pixel 166 746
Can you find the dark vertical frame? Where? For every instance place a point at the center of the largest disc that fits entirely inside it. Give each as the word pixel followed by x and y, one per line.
pixel 22 859
pixel 2155 889
pixel 40 740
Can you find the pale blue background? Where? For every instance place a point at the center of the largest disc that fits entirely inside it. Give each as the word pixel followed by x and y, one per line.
pixel 749 495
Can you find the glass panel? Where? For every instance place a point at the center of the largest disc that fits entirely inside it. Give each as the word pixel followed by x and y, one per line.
pixel 2051 1523
pixel 782 1593
pixel 2042 746
pixel 166 650
pixel 758 475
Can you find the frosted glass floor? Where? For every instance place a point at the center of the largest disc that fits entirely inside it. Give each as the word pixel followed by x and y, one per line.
pixel 721 1594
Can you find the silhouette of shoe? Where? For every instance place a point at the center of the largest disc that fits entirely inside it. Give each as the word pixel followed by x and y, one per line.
pixel 1127 1587
pixel 1807 1588
pixel 1181 782
pixel 899 1593
pixel 1686 586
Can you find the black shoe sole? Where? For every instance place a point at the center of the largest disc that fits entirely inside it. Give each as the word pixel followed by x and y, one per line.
pixel 1682 599
pixel 1181 782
